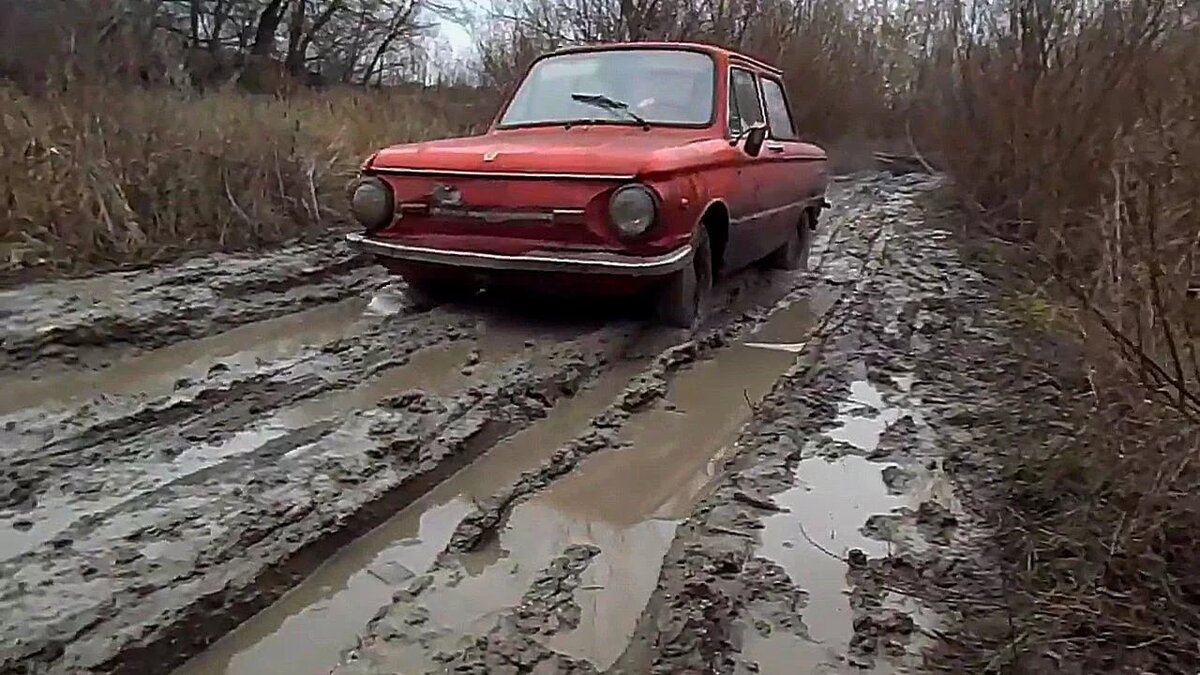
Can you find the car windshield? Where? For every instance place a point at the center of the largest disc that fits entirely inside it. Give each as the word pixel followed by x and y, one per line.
pixel 632 86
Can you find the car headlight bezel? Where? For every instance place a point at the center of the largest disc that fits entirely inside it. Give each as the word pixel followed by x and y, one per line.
pixel 372 203
pixel 633 210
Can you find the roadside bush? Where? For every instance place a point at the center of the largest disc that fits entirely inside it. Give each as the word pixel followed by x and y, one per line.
pixel 1074 138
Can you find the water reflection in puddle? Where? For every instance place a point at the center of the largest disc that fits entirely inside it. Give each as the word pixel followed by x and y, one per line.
pixel 627 502
pixel 828 505
pixel 865 416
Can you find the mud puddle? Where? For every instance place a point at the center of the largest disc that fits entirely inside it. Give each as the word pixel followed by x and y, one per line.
pixel 788 328
pixel 830 503
pixel 626 501
pixel 156 373
pixel 828 511
pixel 305 630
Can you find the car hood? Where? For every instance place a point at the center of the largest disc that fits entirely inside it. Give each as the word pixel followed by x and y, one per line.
pixel 597 149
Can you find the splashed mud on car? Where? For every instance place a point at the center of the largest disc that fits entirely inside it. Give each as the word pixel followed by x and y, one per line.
pixel 283 467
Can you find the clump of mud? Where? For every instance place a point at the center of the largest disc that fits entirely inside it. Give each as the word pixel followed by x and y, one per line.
pixel 547 608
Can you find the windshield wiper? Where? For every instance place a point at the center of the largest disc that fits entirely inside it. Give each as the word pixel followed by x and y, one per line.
pixel 610 103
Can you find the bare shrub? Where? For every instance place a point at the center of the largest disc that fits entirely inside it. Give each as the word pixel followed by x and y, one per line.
pixel 1077 135
pixel 128 132
pixel 1072 133
pixel 838 58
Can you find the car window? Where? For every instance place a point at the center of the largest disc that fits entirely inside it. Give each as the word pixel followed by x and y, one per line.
pixel 744 107
pixel 664 86
pixel 779 117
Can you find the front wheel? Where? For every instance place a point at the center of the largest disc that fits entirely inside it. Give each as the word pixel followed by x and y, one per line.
pixel 682 298
pixel 426 293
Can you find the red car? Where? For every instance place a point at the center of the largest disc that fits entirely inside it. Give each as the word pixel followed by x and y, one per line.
pixel 624 168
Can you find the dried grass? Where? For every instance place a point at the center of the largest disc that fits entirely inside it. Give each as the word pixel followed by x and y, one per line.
pixel 1080 146
pixel 98 177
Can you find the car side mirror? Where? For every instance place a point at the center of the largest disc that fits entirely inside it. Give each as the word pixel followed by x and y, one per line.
pixel 755 137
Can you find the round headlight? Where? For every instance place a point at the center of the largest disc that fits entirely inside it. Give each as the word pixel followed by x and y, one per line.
pixel 371 203
pixel 632 209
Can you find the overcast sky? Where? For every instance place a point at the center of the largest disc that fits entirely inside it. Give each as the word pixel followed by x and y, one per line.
pixel 457 36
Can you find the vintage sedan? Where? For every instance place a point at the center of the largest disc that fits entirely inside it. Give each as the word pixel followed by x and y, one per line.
pixel 638 168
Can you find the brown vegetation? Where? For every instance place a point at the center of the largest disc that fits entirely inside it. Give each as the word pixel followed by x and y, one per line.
pixel 1078 147
pixel 110 153
pixel 1071 131
pixel 162 174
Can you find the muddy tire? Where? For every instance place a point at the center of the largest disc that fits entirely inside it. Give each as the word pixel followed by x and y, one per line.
pixel 425 293
pixel 794 253
pixel 682 299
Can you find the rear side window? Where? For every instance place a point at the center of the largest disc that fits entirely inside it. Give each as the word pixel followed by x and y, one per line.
pixel 779 117
pixel 744 107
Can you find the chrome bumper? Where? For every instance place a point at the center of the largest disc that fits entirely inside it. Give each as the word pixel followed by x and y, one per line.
pixel 537 261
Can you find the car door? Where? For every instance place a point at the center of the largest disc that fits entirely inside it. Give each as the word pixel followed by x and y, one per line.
pixel 750 237
pixel 792 178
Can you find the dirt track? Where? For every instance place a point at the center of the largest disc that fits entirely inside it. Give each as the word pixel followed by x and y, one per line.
pixel 551 484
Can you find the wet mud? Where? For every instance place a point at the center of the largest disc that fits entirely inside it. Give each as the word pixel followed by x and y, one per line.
pixel 622 486
pixel 91 322
pixel 278 466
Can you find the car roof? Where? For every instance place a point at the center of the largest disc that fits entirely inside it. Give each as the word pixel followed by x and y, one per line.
pixel 693 46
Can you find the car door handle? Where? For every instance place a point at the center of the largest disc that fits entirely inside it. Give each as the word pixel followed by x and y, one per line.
pixel 775 147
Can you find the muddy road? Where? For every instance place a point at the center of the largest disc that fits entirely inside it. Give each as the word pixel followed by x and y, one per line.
pixel 278 466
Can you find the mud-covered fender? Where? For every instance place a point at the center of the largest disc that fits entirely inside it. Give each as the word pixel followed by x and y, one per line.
pixel 718 232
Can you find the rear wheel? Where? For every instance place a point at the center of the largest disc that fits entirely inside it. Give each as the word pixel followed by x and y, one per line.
pixel 794 253
pixel 682 298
